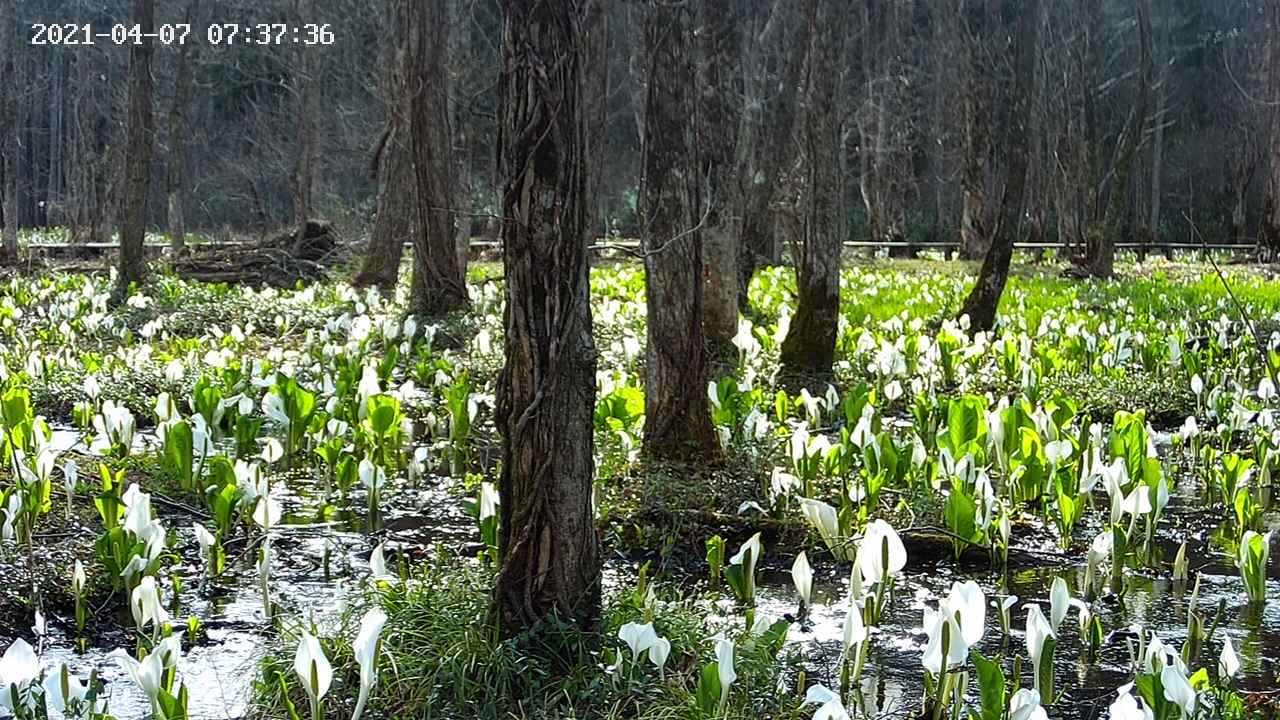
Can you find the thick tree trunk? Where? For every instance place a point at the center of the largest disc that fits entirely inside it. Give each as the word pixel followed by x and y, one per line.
pixel 984 299
pixel 397 210
pixel 717 138
pixel 809 348
pixel 137 169
pixel 439 286
pixel 397 207
pixel 177 185
pixel 546 394
pixel 1270 235
pixel 773 151
pixel 677 413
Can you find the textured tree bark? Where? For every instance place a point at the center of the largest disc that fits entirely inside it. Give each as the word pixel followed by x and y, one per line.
pixel 809 348
pixel 462 60
pixel 397 210
pixel 140 139
pixel 773 151
pixel 717 137
pixel 55 187
pixel 677 413
pixel 1118 216
pixel 397 204
pixel 9 142
pixel 1270 235
pixel 546 394
pixel 984 299
pixel 976 218
pixel 177 160
pixel 304 168
pixel 439 285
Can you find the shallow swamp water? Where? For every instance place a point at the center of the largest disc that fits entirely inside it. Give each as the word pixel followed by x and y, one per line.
pixel 321 558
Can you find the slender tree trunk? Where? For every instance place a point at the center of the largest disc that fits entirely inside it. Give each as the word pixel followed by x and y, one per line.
pixel 55 187
pixel 677 414
pixel 1102 245
pixel 439 286
pixel 462 59
pixel 975 220
pixel 1157 143
pixel 397 205
pixel 809 348
pixel 137 171
pixel 595 100
pixel 718 135
pixel 1270 235
pixel 304 169
pixel 9 140
pixel 984 299
pixel 177 185
pixel 546 394
pixel 773 151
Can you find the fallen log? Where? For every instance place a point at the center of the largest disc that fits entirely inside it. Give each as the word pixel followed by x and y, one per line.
pixel 281 261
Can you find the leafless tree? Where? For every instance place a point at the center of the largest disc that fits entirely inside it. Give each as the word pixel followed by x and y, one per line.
pixel 672 194
pixel 810 344
pixel 546 393
pixel 438 283
pixel 133 203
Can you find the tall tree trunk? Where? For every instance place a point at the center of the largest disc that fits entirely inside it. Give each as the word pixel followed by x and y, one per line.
pixel 1270 235
pixel 809 348
pixel 55 187
pixel 717 138
pixel 397 207
pixel 677 413
pixel 307 108
pixel 177 185
pixel 1118 216
pixel 9 139
pixel 137 169
pixel 546 394
pixel 439 286
pixel 1157 142
pixel 984 299
pixel 976 216
pixel 773 151
pixel 462 60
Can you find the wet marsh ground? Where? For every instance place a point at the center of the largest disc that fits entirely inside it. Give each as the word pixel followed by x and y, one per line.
pixel 425 513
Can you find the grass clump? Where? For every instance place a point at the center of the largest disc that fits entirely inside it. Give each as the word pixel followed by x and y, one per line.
pixel 441 659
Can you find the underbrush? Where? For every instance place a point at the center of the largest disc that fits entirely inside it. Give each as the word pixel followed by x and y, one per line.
pixel 442 659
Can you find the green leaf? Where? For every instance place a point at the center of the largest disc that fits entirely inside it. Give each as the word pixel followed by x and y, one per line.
pixel 708 688
pixel 991 684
